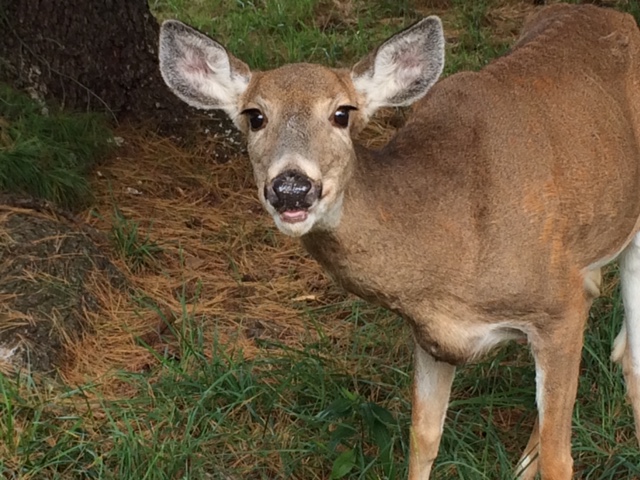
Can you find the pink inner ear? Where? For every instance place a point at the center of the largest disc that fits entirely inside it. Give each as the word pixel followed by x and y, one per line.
pixel 409 64
pixel 194 63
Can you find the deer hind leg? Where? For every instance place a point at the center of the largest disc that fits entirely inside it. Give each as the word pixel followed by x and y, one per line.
pixel 431 390
pixel 626 347
pixel 528 465
pixel 557 349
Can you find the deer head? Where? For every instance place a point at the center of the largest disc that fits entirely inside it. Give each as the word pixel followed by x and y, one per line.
pixel 299 119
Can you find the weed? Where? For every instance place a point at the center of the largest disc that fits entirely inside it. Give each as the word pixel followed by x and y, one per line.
pixel 136 249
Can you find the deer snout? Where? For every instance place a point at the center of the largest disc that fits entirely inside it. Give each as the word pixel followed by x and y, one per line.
pixel 292 191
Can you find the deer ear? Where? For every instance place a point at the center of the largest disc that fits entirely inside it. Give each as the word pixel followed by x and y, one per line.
pixel 199 70
pixel 403 68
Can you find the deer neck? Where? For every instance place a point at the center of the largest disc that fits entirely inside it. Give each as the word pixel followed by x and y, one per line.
pixel 357 247
pixel 357 210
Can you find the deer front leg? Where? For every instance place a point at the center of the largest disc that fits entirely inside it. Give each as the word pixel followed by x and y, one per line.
pixel 557 350
pixel 431 390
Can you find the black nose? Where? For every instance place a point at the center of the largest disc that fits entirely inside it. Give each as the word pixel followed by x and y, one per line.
pixel 291 190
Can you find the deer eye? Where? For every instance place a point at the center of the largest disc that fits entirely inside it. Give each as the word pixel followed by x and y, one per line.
pixel 257 120
pixel 341 116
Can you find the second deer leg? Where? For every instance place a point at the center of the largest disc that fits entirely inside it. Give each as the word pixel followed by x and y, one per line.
pixel 627 344
pixel 557 350
pixel 431 390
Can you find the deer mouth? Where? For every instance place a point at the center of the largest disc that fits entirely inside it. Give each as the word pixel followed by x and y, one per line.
pixel 294 216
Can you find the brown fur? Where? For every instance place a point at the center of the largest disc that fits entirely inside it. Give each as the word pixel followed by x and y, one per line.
pixel 500 196
pixel 506 181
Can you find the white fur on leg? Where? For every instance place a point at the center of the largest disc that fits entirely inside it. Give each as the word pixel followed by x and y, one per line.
pixel 431 390
pixel 619 345
pixel 627 344
pixel 630 288
pixel 539 392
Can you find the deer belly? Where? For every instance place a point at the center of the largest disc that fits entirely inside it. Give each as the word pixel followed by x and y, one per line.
pixel 458 342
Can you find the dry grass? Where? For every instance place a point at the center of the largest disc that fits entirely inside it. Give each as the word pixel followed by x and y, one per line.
pixel 221 260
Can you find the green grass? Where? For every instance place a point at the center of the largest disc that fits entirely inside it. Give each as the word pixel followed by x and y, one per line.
pixel 304 414
pixel 475 46
pixel 267 34
pixel 195 415
pixel 270 34
pixel 46 153
pixel 136 248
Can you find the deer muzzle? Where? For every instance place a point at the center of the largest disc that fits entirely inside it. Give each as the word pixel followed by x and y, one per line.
pixel 291 194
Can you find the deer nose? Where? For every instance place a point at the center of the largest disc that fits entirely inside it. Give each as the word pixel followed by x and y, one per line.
pixel 292 190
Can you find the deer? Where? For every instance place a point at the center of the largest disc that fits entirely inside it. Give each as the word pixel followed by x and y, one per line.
pixel 486 218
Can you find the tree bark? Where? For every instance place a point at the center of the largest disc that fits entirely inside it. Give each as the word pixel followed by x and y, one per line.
pixel 89 55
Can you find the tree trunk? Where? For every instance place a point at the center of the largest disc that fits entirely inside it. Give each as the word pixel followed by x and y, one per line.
pixel 88 55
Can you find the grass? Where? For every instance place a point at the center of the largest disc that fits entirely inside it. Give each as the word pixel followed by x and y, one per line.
pixel 47 153
pixel 194 414
pixel 475 46
pixel 270 34
pixel 243 361
pixel 310 413
pixel 136 249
